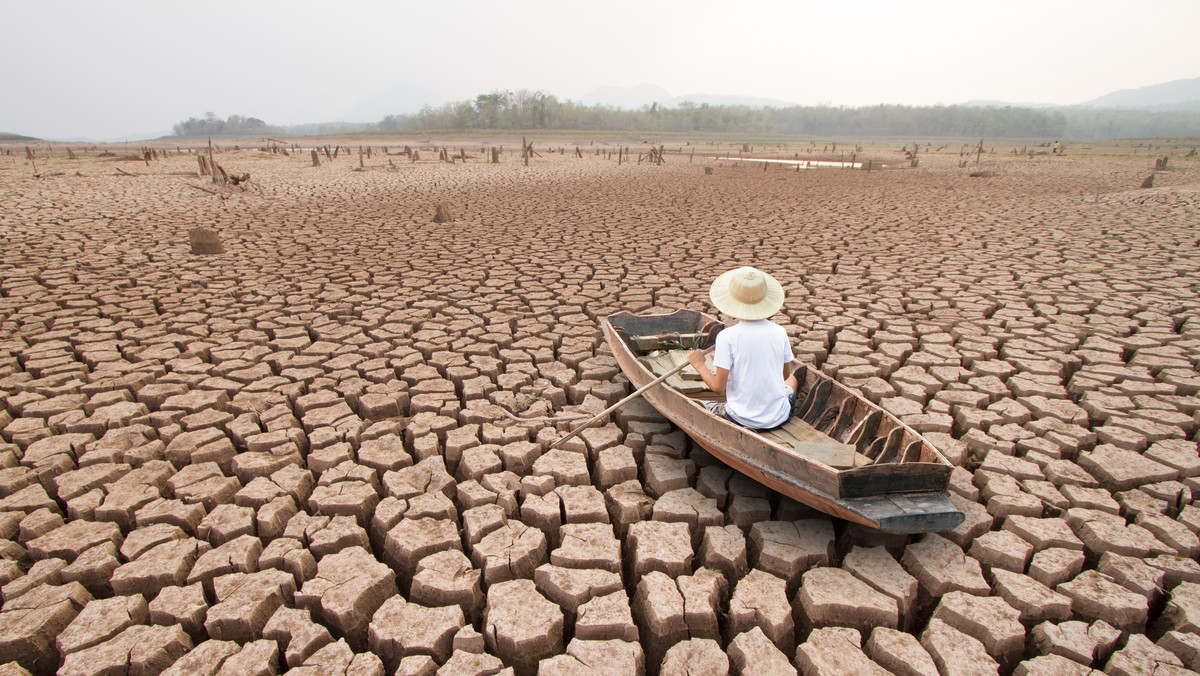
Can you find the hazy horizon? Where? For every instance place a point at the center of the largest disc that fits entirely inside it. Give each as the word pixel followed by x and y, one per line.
pixel 104 70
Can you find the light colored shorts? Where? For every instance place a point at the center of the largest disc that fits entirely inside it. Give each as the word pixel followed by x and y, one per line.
pixel 718 407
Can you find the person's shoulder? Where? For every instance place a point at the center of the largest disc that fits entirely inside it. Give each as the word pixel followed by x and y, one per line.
pixel 768 326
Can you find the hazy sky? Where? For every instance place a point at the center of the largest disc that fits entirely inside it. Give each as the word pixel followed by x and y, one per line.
pixel 113 68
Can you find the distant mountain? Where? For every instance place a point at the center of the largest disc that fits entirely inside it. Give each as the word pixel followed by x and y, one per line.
pixel 5 136
pixel 629 98
pixel 395 100
pixel 1168 95
pixel 632 98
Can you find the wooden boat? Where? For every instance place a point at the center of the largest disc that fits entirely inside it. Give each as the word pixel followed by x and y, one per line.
pixel 840 453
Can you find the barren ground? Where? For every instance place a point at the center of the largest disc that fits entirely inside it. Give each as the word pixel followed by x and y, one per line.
pixel 293 455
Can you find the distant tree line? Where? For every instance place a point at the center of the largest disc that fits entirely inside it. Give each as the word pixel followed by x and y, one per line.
pixel 537 110
pixel 234 125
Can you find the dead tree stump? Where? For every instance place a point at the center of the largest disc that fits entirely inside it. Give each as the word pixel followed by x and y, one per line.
pixel 316 159
pixel 443 213
pixel 70 155
pixel 1160 164
pixel 205 241
pixel 1149 182
pixel 28 153
pixel 212 164
pixel 708 171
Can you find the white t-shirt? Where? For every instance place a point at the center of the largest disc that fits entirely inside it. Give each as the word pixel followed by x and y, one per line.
pixel 754 353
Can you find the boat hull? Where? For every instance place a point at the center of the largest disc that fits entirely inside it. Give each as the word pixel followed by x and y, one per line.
pixel 897 498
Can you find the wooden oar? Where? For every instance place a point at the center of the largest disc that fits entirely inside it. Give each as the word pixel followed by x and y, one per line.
pixel 621 403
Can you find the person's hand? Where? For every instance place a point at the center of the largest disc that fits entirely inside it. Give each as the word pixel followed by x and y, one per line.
pixel 696 358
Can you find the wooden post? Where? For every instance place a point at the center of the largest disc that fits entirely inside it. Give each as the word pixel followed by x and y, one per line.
pixel 212 165
pixel 978 152
pixel 316 158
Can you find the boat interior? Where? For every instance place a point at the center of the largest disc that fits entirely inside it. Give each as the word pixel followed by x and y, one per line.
pixel 797 434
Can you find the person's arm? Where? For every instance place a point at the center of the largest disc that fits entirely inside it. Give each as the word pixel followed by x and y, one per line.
pixel 716 382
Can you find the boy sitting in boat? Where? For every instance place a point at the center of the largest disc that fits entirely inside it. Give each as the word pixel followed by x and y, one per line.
pixel 752 357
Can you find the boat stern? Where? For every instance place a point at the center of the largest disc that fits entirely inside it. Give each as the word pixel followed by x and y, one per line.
pixel 910 513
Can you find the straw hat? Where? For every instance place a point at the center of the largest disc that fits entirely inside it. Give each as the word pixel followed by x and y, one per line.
pixel 747 293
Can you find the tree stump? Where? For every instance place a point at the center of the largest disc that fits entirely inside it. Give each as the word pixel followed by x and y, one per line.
pixel 28 153
pixel 443 213
pixel 496 155
pixel 205 241
pixel 708 171
pixel 316 159
pixel 1149 182
pixel 70 155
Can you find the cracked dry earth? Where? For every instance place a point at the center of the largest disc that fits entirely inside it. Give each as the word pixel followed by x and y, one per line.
pixel 293 456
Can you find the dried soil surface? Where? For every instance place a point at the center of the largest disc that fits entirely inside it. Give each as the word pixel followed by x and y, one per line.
pixel 294 454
